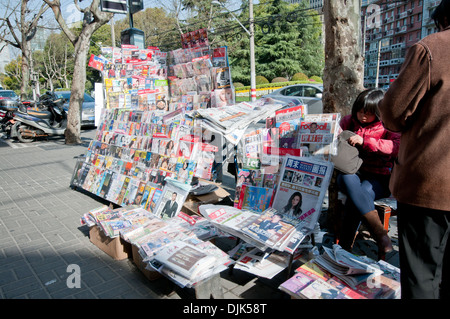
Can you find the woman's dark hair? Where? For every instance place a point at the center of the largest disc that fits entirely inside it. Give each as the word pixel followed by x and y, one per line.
pixel 297 209
pixel 368 100
pixel 441 15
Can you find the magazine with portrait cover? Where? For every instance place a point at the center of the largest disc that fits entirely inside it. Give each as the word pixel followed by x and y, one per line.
pixel 269 229
pixel 184 170
pixel 172 199
pixel 318 135
pixel 302 185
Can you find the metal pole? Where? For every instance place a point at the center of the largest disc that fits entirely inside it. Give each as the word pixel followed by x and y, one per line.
pixel 252 54
pixel 113 35
pixel 130 14
pixel 378 63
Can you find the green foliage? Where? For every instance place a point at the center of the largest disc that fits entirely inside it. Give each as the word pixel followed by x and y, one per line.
pixel 300 76
pixel 10 80
pixel 272 85
pixel 279 79
pixel 259 79
pixel 316 78
pixel 287 41
pixel 237 84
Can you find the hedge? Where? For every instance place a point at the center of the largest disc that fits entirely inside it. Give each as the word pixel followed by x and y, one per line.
pixel 269 85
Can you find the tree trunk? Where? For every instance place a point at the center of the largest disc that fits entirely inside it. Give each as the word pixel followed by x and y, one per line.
pixel 343 76
pixel 94 19
pixel 73 130
pixel 26 69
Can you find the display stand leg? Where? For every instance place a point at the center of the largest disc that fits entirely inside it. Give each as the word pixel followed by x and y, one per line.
pixel 291 260
pixel 211 287
pixel 231 268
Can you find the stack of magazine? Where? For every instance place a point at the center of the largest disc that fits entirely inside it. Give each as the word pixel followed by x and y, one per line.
pixel 294 212
pixel 338 274
pixel 177 247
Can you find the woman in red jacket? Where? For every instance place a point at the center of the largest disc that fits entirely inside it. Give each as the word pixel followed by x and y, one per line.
pixel 378 148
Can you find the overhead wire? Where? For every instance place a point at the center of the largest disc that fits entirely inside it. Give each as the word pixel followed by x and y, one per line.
pixel 256 21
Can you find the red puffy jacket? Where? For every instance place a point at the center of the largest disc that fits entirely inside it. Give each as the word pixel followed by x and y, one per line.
pixel 380 146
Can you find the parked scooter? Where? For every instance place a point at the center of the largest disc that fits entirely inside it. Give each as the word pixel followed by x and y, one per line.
pixel 48 118
pixel 7 109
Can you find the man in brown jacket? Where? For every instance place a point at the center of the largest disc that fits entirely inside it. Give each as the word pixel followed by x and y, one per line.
pixel 417 104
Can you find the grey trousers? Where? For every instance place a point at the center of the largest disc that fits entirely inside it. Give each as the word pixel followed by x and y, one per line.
pixel 424 252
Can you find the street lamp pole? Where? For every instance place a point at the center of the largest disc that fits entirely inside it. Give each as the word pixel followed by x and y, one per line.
pixel 251 34
pixel 252 53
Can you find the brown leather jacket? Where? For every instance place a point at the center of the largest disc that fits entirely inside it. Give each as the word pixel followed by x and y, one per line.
pixel 417 104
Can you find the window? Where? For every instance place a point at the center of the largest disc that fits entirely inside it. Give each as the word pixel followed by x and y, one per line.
pixel 294 91
pixel 310 91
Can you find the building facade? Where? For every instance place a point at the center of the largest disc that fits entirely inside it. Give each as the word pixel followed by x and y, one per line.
pixel 389 29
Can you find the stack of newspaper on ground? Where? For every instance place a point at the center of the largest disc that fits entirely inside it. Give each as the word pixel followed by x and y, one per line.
pixel 338 274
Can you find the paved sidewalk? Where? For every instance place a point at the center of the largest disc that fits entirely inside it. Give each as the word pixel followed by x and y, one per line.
pixel 40 236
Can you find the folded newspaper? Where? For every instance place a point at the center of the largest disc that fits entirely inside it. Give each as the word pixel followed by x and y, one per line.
pixel 187 262
pixel 232 118
pixel 348 267
pixel 265 230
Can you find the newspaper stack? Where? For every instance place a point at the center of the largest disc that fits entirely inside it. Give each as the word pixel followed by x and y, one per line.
pixel 190 261
pixel 360 272
pixel 232 120
pixel 113 221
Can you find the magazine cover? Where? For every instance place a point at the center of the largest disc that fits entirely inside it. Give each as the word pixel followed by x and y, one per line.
pixel 269 228
pixel 184 170
pixel 220 57
pixel 153 199
pixel 256 199
pixel 302 185
pixel 287 121
pixel 223 97
pixel 319 138
pixel 76 175
pixel 172 199
pixel 222 77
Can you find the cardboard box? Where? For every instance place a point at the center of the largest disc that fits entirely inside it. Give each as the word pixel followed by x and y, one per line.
pixel 140 264
pixel 192 202
pixel 117 248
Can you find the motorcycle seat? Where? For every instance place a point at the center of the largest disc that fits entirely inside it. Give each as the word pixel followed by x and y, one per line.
pixel 40 114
